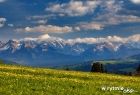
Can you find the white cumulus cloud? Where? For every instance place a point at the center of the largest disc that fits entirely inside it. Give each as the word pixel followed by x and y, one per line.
pixel 136 1
pixel 73 8
pixel 2 1
pixel 2 22
pixel 46 29
pixel 91 26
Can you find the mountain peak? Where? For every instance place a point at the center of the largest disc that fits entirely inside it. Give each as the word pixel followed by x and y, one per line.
pixel 63 51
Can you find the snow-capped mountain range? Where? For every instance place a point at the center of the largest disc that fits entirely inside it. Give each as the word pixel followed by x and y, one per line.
pixel 57 52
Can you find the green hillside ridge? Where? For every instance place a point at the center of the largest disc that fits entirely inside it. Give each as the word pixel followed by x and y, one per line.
pixel 19 80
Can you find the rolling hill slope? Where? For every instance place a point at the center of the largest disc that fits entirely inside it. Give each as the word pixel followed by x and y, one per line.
pixel 18 80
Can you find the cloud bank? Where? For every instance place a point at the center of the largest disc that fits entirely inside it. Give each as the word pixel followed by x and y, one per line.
pixel 108 14
pixel 112 39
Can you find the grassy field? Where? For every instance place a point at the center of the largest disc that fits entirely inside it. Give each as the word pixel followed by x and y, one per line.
pixel 18 80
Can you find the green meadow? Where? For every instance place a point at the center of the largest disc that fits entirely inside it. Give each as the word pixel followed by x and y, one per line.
pixel 20 80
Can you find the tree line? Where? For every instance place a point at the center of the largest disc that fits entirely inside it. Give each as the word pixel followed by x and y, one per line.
pixel 99 67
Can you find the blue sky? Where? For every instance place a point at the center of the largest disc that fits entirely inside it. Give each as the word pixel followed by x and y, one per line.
pixel 69 18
